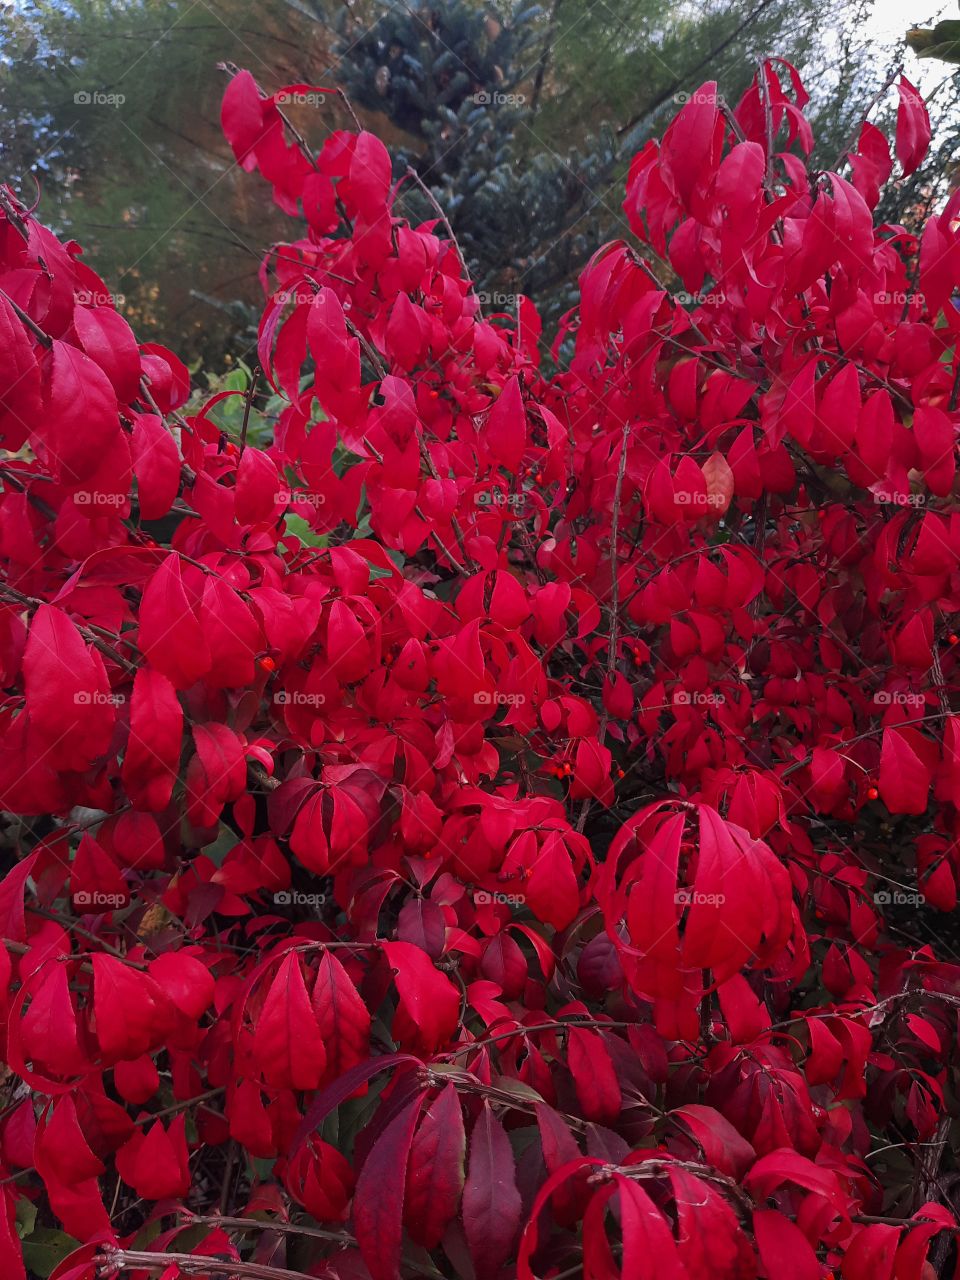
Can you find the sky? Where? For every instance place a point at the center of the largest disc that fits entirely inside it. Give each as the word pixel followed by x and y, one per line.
pixel 888 21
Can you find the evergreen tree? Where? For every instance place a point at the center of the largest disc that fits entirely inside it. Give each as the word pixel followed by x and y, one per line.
pixel 518 120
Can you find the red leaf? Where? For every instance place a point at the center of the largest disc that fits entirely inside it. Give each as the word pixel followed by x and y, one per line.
pixel 48 1032
pixel 288 1045
pixel 913 127
pixel 241 117
pixel 171 636
pixel 649 1249
pixel 11 1256
pixel 20 403
pixel 156 464
pixel 154 1161
pixel 152 757
pixel 907 763
pixel 70 1170
pixel 132 1013
pixel 690 152
pixel 80 419
pixel 216 775
pixel 186 981
pixel 491 1201
pixel 552 891
pixel 378 1201
pixel 429 1008
pixel 598 1091
pixel 435 1175
pixel 723 1146
pixel 342 1017
pixel 341 1089
pixel 784 1250
pixel 108 340
pixel 258 489
pixel 68 697
pixel 505 431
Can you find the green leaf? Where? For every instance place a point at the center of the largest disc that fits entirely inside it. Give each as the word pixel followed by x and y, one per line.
pixel 26 1217
pixel 45 1249
pixel 300 529
pixel 941 41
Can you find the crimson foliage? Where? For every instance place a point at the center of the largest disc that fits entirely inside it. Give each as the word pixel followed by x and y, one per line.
pixel 476 827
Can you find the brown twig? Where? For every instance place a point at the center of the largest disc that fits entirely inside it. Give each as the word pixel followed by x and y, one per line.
pixel 614 599
pixel 852 140
pixel 111 1261
pixel 349 106
pixel 30 602
pixel 257 1224
pixel 40 335
pixel 248 401
pixel 412 173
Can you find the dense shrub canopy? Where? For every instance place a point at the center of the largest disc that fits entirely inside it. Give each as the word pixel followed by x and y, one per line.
pixel 484 831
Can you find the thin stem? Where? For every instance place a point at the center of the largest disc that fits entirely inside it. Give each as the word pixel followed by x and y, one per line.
pixel 256 1224
pixel 851 142
pixel 40 335
pixel 248 401
pixel 412 173
pixel 110 1261
pixel 349 106
pixel 614 599
pixel 30 602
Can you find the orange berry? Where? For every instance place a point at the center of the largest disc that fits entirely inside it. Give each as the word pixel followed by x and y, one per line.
pixel 952 637
pixel 267 664
pixel 872 793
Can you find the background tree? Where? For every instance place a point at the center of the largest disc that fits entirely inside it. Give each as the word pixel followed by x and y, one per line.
pixel 518 119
